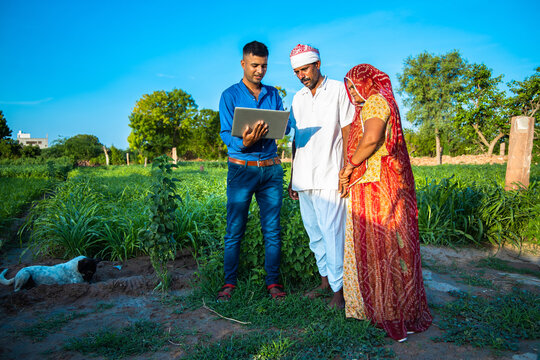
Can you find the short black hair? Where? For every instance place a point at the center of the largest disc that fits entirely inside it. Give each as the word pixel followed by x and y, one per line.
pixel 255 48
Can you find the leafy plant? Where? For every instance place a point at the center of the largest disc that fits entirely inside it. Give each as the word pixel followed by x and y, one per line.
pixel 158 239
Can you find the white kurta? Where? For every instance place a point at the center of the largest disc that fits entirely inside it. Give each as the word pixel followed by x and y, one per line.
pixel 317 124
pixel 319 157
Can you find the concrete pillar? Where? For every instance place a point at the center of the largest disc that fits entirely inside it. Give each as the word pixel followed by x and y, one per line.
pixel 518 166
pixel 503 148
pixel 174 156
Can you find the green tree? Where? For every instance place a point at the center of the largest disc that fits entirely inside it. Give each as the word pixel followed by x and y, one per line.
pixel 481 110
pixel 205 141
pixel 118 157
pixel 5 131
pixel 55 150
pixel 430 84
pixel 10 149
pixel 82 147
pixel 161 121
pixel 526 101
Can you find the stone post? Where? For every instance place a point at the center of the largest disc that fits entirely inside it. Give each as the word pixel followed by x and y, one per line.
pixel 127 158
pixel 174 156
pixel 518 166
pixel 503 148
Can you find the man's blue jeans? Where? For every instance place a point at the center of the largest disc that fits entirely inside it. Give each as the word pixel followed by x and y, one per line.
pixel 267 185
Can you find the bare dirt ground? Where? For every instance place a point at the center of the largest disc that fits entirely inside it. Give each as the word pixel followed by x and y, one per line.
pixel 123 294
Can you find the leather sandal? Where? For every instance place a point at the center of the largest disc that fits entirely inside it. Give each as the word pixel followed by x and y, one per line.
pixel 276 295
pixel 225 295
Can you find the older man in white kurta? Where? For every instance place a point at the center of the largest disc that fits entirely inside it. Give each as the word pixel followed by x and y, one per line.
pixel 321 116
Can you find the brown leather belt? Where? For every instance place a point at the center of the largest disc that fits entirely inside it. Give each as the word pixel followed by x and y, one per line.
pixel 258 163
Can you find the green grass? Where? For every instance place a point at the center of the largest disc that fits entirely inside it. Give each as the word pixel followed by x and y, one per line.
pixel 295 327
pixel 135 339
pixel 475 279
pixel 498 323
pixel 46 326
pixel 498 264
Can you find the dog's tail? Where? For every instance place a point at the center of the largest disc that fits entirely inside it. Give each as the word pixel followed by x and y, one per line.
pixel 3 279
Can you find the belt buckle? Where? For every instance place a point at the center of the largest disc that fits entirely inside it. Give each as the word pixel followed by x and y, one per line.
pixel 258 163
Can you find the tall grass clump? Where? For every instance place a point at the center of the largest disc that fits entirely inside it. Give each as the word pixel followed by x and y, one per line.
pixel 447 213
pixel 511 216
pixel 456 212
pixel 100 215
pixel 67 225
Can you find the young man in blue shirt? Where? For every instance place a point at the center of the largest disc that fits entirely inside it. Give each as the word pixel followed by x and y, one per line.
pixel 253 168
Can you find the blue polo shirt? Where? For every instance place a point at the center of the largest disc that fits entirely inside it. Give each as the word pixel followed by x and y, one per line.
pixel 239 95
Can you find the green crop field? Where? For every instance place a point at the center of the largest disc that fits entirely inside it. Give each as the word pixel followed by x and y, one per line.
pixel 17 193
pixel 102 211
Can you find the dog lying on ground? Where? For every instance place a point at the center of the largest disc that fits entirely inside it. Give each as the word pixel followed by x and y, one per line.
pixel 75 271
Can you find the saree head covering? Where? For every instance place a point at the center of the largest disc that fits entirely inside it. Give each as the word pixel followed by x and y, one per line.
pixel 380 81
pixel 304 54
pixel 384 218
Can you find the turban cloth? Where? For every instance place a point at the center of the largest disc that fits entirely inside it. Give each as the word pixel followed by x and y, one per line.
pixel 304 54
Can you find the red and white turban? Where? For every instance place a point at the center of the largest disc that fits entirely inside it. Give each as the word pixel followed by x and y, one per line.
pixel 304 54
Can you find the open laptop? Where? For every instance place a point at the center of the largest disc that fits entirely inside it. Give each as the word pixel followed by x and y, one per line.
pixel 276 120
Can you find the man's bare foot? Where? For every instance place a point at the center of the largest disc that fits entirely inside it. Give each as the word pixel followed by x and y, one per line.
pixel 320 290
pixel 337 302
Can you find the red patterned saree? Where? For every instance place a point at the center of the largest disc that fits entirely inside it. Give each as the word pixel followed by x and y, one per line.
pixel 385 225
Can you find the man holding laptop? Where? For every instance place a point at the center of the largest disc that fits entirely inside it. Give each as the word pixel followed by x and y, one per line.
pixel 253 168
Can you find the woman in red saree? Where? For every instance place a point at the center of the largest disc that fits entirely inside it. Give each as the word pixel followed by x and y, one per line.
pixel 382 269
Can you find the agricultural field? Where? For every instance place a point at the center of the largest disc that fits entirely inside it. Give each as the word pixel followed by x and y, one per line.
pixel 103 212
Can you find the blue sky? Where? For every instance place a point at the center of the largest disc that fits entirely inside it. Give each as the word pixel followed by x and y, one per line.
pixel 78 67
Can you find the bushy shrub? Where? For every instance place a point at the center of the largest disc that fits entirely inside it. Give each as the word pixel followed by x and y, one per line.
pixel 9 149
pixel 297 260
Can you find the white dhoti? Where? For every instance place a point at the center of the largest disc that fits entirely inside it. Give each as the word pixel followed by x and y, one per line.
pixel 324 214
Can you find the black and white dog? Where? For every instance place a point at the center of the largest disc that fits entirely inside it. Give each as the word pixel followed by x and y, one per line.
pixel 74 271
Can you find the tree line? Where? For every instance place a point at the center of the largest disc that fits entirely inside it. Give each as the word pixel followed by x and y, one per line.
pixel 459 107
pixel 456 108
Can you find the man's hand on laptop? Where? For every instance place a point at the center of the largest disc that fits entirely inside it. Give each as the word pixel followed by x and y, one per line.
pixel 251 136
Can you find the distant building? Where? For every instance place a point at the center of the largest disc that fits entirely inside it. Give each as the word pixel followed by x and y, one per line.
pixel 25 139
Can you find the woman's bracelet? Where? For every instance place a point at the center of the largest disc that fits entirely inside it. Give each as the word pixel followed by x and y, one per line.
pixel 351 162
